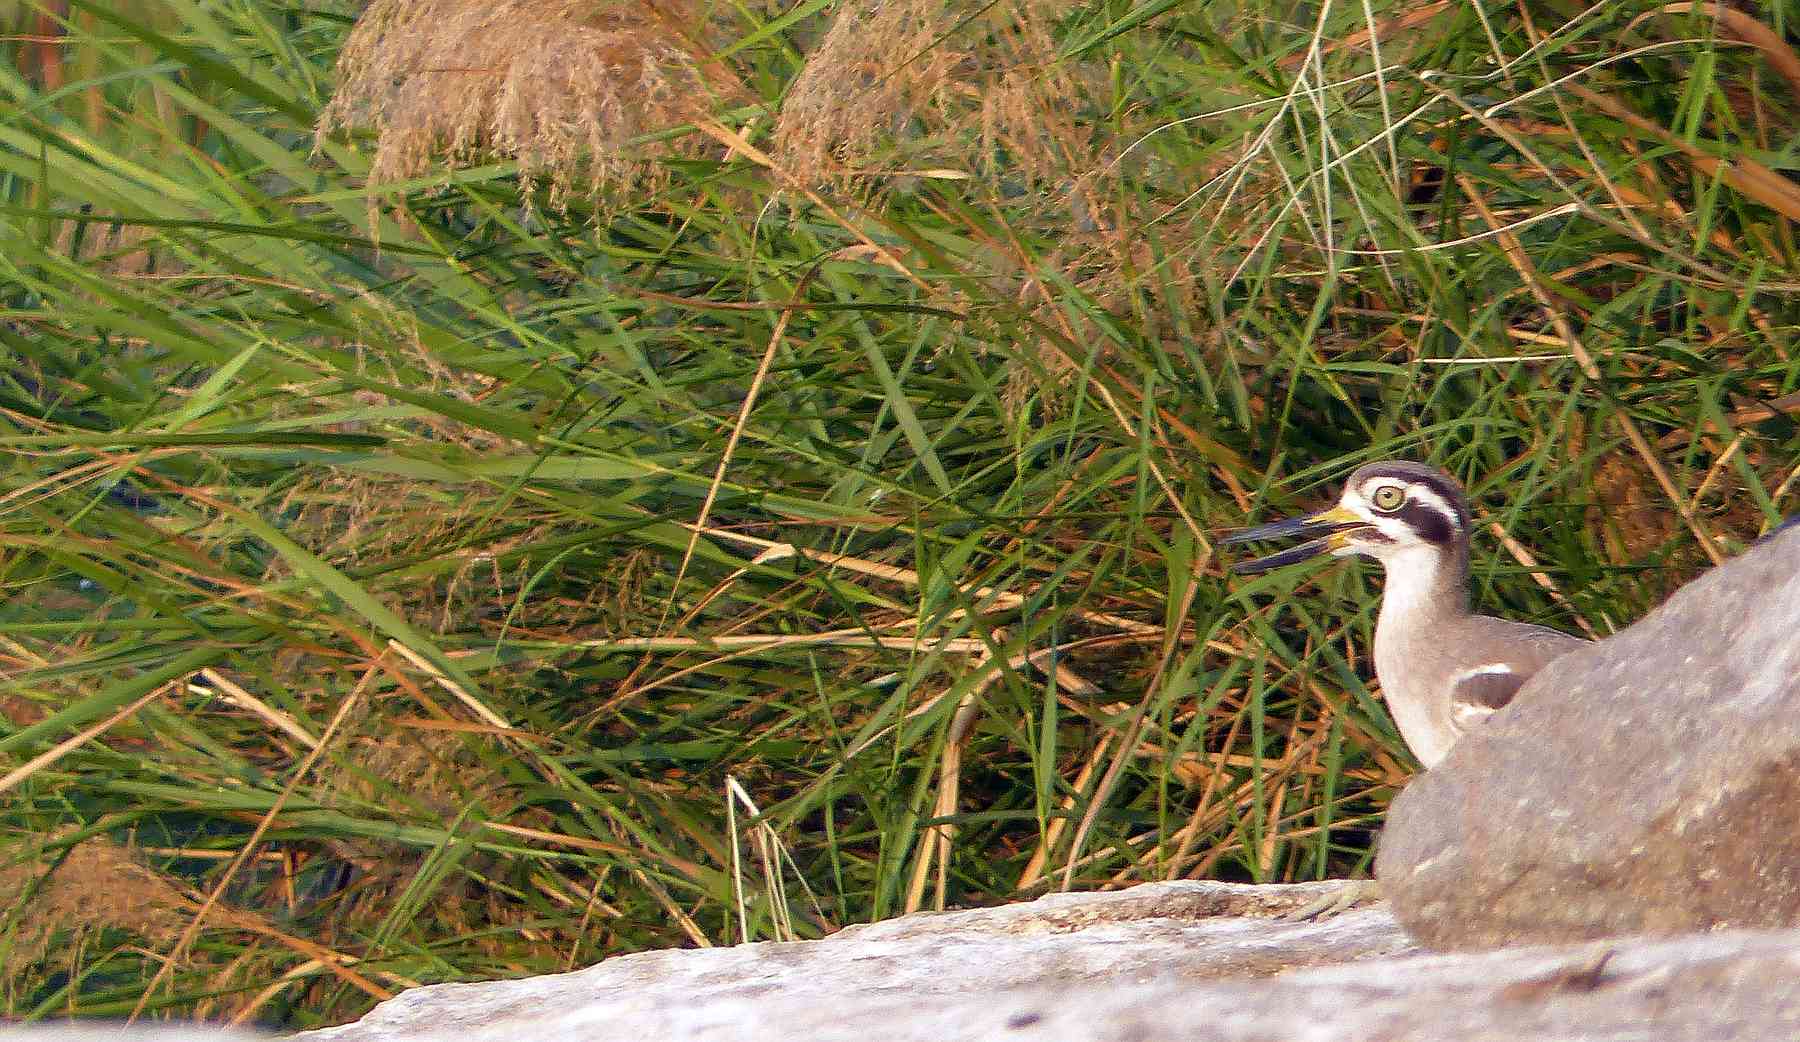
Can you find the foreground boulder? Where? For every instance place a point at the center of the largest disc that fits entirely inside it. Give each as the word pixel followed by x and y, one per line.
pixel 1649 783
pixel 855 984
pixel 1128 967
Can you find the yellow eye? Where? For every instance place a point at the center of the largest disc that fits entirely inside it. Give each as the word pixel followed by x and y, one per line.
pixel 1388 497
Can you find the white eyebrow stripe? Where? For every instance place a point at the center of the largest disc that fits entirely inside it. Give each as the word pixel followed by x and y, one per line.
pixel 1485 669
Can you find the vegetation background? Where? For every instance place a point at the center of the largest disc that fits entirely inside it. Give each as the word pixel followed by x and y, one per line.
pixel 495 485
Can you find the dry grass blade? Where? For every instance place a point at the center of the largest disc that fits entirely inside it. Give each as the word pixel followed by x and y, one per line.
pixel 475 705
pixel 935 843
pixel 1033 872
pixel 236 695
pixel 336 963
pixel 1712 472
pixel 754 642
pixel 1773 409
pixel 1529 563
pixel 1127 742
pixel 775 862
pixel 999 598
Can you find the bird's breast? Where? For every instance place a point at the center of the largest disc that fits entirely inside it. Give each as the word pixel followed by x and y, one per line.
pixel 1421 713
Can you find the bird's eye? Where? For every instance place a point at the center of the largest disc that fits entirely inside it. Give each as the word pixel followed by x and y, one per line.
pixel 1388 497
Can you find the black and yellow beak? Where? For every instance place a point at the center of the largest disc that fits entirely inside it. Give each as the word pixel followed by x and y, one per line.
pixel 1328 531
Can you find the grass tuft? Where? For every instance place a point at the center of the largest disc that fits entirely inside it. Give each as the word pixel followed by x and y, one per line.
pixel 578 93
pixel 909 86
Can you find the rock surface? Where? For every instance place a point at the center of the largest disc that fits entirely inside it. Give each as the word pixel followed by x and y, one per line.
pixel 1646 784
pixel 1181 931
pixel 1129 967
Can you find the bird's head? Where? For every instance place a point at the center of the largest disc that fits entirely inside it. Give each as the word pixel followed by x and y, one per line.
pixel 1387 509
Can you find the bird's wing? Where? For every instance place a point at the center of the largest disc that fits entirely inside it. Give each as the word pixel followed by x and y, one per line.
pixel 1476 693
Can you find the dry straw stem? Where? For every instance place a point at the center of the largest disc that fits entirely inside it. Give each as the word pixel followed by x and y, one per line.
pixel 929 75
pixel 737 432
pixel 1000 600
pixel 61 749
pixel 1742 173
pixel 568 88
pixel 935 840
pixel 1539 576
pixel 1774 408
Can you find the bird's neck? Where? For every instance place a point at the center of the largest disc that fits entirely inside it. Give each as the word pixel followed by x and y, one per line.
pixel 1425 585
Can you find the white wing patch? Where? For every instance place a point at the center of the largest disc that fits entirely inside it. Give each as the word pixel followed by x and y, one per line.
pixel 1475 694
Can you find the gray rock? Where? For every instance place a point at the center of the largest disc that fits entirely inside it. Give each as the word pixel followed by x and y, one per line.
pixel 1180 930
pixel 1649 783
pixel 1128 967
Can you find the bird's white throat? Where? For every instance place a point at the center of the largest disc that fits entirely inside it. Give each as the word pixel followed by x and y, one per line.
pixel 1421 581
